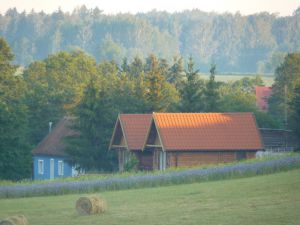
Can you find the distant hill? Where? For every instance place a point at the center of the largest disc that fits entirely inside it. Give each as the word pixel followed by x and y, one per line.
pixel 236 43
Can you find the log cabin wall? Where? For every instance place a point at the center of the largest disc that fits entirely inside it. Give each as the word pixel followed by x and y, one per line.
pixel 279 140
pixel 145 159
pixel 150 159
pixel 251 155
pixel 191 159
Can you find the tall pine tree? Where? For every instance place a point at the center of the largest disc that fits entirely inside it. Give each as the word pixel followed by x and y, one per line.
pixel 192 91
pixel 94 121
pixel 176 72
pixel 211 92
pixel 155 85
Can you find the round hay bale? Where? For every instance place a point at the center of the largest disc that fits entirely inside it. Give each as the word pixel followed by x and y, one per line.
pixel 15 220
pixel 90 205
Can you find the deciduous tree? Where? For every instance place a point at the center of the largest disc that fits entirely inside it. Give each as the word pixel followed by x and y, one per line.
pixel 15 156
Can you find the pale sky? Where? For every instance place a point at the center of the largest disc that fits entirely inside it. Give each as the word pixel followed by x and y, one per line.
pixel 283 7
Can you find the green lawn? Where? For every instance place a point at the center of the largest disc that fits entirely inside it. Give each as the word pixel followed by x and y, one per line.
pixel 269 199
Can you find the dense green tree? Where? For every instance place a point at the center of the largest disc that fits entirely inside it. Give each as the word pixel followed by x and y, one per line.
pixel 15 156
pixel 160 95
pixel 94 120
pixel 176 72
pixel 248 84
pixel 140 92
pixel 136 67
pixel 235 98
pixel 236 42
pixel 125 66
pixel 275 60
pixel 295 107
pixel 55 85
pixel 110 50
pixel 163 67
pixel 284 88
pixel 128 96
pixel 211 92
pixel 192 91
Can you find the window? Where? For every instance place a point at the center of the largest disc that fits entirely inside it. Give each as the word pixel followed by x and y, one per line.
pixel 60 168
pixel 41 166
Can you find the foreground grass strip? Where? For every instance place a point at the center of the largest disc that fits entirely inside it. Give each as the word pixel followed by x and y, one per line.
pixel 260 200
pixel 152 180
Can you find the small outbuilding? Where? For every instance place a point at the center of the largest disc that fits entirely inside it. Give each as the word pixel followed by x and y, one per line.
pixel 163 140
pixel 49 159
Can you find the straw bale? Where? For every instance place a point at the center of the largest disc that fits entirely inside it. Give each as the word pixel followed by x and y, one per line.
pixel 90 205
pixel 15 220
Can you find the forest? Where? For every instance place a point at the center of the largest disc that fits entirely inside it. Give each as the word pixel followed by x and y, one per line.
pixel 74 84
pixel 236 43
pixel 92 66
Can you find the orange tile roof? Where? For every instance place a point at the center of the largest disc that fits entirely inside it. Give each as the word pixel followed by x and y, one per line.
pixel 53 143
pixel 262 95
pixel 208 131
pixel 135 128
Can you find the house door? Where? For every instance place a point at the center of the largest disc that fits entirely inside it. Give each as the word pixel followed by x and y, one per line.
pixel 51 169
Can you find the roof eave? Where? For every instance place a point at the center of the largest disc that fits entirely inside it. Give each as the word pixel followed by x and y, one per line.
pixel 158 132
pixel 124 134
pixel 113 135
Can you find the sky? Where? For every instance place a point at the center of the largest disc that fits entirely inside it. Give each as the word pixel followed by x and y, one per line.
pixel 246 7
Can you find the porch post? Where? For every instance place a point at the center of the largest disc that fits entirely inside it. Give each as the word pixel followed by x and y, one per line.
pixel 121 159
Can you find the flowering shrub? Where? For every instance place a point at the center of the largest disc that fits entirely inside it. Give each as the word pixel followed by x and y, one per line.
pixel 152 180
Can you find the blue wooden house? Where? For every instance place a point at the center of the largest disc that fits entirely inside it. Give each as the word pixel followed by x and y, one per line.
pixel 49 159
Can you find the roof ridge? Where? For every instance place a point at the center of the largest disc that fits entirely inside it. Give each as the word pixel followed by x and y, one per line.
pixel 135 114
pixel 201 113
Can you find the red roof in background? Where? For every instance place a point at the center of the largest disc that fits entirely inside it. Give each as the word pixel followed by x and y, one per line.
pixel 136 127
pixel 262 94
pixel 208 131
pixel 53 144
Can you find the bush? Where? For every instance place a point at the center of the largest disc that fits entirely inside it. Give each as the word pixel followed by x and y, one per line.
pixel 131 163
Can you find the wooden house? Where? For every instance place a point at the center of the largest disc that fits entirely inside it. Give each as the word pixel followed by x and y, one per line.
pixel 262 95
pixel 49 159
pixel 163 140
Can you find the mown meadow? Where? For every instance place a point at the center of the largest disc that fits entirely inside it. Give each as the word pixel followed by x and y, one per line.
pixel 268 199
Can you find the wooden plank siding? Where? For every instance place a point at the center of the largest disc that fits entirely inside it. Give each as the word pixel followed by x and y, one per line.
pixel 191 159
pixel 145 160
pixel 150 159
pixel 251 155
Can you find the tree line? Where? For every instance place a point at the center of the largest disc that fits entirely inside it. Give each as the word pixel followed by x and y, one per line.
pixel 74 84
pixel 236 43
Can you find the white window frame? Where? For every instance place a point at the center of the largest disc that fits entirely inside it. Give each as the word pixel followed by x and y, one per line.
pixel 60 168
pixel 40 166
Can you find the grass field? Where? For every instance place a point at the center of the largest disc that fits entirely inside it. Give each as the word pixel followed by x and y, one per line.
pixel 268 80
pixel 269 199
